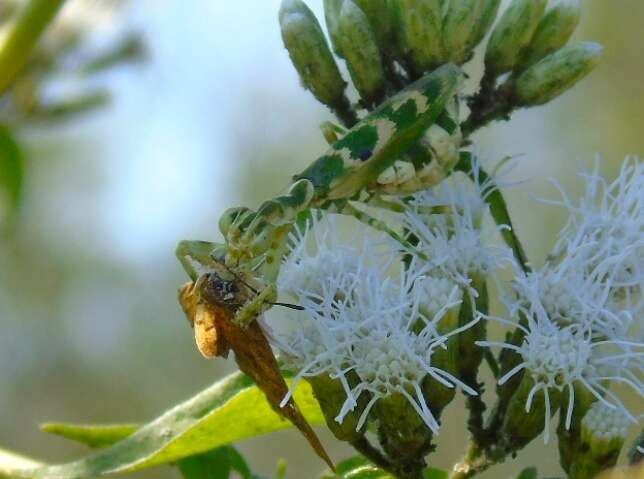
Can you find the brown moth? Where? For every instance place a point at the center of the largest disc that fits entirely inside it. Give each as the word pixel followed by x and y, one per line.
pixel 210 305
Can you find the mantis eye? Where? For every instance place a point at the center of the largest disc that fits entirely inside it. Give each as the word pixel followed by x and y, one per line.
pixel 365 154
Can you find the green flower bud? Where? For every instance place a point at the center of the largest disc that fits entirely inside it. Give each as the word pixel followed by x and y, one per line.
pixel 521 427
pixel 436 292
pixel 331 396
pixel 402 432
pixel 358 44
pixel 569 435
pixel 460 23
pixel 310 54
pixel 381 19
pixel 470 354
pixel 603 432
pixel 556 73
pixel 420 33
pixel 487 15
pixel 554 30
pixel 512 35
pixel 332 17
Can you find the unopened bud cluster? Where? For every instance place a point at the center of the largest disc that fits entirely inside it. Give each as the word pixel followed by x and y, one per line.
pixel 387 44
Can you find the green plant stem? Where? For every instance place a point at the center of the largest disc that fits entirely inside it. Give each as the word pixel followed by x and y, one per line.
pixel 23 36
pixel 345 114
pixel 489 104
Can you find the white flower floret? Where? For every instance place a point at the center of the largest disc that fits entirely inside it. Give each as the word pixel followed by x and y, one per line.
pixel 369 332
pixel 320 259
pixel 433 293
pixel 604 423
pixel 561 357
pixel 605 232
pixel 391 359
pixel 447 222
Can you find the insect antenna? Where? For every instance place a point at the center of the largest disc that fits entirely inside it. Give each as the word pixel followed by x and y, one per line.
pixel 297 307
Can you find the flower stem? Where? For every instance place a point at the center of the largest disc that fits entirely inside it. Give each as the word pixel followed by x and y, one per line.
pixel 22 37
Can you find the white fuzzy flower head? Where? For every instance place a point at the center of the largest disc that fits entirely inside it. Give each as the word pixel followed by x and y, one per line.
pixel 446 221
pixel 605 232
pixel 562 357
pixel 434 293
pixel 602 423
pixel 320 259
pixel 565 294
pixel 369 332
pixel 391 359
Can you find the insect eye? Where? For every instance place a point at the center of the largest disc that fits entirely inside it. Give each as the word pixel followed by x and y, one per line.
pixel 365 154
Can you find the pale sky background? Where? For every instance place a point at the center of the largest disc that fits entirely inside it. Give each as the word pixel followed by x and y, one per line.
pixel 216 118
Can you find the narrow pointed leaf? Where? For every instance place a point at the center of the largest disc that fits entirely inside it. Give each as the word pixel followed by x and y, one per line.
pixel 11 174
pixel 92 435
pixel 206 465
pixel 231 410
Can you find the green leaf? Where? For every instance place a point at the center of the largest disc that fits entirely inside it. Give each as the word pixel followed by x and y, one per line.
pixel 231 410
pixel 210 465
pixel 357 467
pixel 432 473
pixel 10 462
pixel 367 472
pixel 528 473
pixel 96 435
pixel 11 173
pixel 351 463
pixel 216 464
pixel 238 463
pixel 100 436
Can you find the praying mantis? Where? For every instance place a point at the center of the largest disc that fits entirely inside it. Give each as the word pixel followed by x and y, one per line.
pixel 393 150
pixel 396 149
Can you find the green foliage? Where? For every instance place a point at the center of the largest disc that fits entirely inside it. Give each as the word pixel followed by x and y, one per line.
pixel 528 473
pixel 95 436
pixel 357 467
pixel 231 410
pixel 11 174
pixel 216 464
pixel 432 473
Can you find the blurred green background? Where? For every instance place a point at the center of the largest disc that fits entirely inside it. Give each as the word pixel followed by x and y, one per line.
pixel 90 329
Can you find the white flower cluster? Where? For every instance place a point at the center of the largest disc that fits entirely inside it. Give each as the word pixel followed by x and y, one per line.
pixel 604 423
pixel 583 308
pixel 447 222
pixel 360 322
pixel 377 335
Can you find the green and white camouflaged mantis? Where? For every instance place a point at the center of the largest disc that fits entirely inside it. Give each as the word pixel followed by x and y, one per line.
pixel 408 143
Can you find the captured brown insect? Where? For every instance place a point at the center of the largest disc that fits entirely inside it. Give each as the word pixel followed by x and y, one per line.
pixel 211 304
